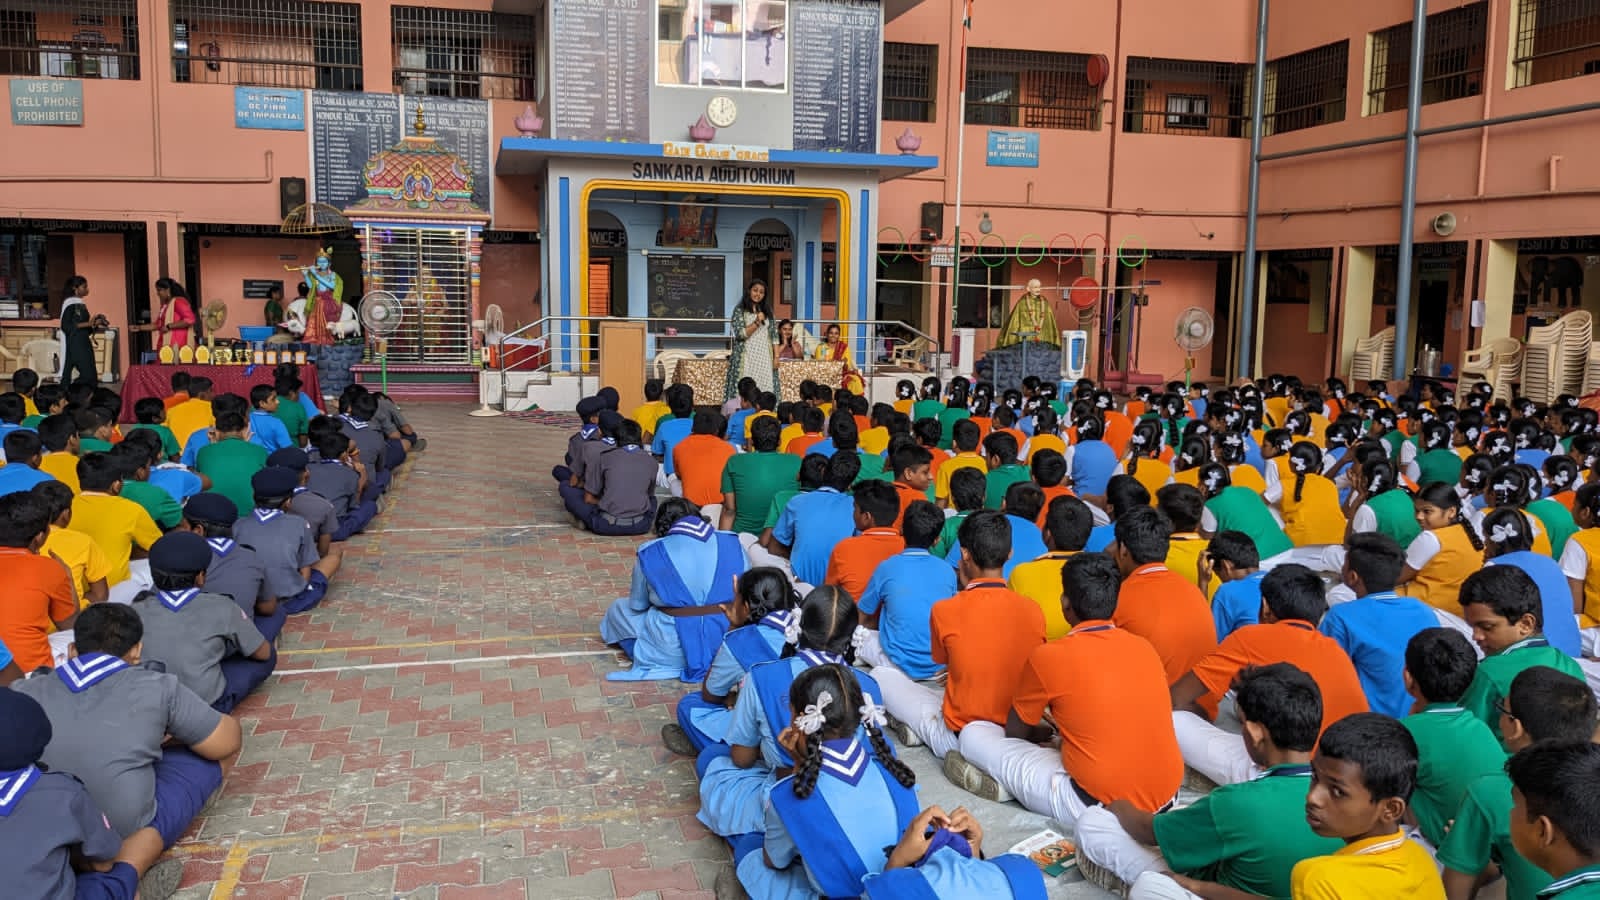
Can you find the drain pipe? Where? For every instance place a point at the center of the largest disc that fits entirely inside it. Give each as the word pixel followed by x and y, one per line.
pixel 1408 193
pixel 1258 101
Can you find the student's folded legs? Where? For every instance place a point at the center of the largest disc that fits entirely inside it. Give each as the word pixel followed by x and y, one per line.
pixel 920 707
pixel 240 676
pixel 1219 755
pixel 184 782
pixel 1102 839
pixel 1027 771
pixel 356 520
pixel 1159 886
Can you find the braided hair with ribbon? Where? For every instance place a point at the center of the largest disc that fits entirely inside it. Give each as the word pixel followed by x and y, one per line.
pixel 1506 531
pixel 1213 478
pixel 1305 458
pixel 827 623
pixel 828 705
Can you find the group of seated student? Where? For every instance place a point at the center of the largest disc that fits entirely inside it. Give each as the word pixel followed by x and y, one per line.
pixel 1330 614
pixel 143 600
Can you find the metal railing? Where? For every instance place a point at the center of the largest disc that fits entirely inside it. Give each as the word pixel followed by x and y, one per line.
pixel 571 344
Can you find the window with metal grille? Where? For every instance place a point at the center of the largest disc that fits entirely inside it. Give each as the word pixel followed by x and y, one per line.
pixel 1030 89
pixel 1452 59
pixel 70 38
pixel 464 53
pixel 428 270
pixel 1185 96
pixel 1555 39
pixel 276 43
pixel 910 81
pixel 1307 89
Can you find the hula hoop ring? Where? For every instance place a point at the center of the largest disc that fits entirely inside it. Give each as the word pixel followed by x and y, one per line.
pixel 1052 251
pixel 900 244
pixel 1017 254
pixel 1000 258
pixel 1144 252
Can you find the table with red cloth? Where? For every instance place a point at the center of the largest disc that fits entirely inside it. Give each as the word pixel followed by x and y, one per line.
pixel 156 381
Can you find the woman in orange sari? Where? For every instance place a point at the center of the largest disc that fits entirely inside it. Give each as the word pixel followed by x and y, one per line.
pixel 834 349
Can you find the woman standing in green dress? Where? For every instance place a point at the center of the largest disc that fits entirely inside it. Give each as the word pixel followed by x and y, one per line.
pixel 753 355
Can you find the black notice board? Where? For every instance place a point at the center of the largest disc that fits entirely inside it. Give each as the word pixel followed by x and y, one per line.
pixel 347 129
pixel 690 289
pixel 837 46
pixel 600 70
pixel 261 288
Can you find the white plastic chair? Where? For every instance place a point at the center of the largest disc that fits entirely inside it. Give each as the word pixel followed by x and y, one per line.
pixel 43 356
pixel 1495 363
pixel 1374 357
pixel 1577 335
pixel 1540 355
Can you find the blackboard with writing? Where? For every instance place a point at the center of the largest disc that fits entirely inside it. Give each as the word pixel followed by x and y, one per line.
pixel 600 69
pixel 347 129
pixel 837 46
pixel 690 288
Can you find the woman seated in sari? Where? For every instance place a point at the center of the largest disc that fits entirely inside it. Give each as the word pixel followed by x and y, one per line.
pixel 834 349
pixel 674 617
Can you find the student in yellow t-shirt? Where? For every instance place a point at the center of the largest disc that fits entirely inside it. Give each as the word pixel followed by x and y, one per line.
pixel 77 551
pixel 652 409
pixel 59 435
pixel 1363 774
pixel 1184 505
pixel 194 413
pixel 964 439
pixel 116 524
pixel 1067 523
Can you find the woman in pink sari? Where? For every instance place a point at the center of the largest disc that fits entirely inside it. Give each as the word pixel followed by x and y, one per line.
pixel 175 320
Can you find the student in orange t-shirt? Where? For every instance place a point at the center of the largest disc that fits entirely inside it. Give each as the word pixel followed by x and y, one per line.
pixel 928 434
pixel 854 559
pixel 1105 691
pixel 1292 604
pixel 811 425
pixel 698 461
pixel 1049 470
pixel 38 594
pixel 180 390
pixel 913 473
pixel 982 636
pixel 1157 603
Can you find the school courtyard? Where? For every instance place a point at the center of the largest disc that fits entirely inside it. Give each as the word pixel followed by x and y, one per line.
pixel 441 726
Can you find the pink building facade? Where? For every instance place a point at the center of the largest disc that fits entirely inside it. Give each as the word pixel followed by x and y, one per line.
pixel 1108 141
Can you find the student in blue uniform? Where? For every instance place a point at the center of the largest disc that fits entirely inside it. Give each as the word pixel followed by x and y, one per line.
pixel 940 857
pixel 174 478
pixel 24 451
pixel 1376 627
pixel 812 523
pixel 673 619
pixel 735 777
pixel 847 800
pixel 758 619
pixel 295 573
pixel 144 745
pixel 235 571
pixel 900 595
pixel 203 638
pixel 266 429
pixel 54 841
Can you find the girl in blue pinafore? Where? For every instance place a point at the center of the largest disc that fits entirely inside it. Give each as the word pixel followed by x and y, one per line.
pixel 827 824
pixel 735 777
pixel 673 619
pixel 760 617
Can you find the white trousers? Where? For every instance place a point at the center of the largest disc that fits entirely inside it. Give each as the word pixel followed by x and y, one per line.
pixel 138 580
pixel 1219 755
pixel 760 556
pixel 1031 773
pixel 713 513
pixel 870 652
pixel 1103 841
pixel 1325 558
pixel 920 707
pixel 1159 886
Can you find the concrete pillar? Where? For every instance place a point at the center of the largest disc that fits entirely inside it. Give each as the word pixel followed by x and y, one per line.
pixel 1260 300
pixel 1497 276
pixel 1355 310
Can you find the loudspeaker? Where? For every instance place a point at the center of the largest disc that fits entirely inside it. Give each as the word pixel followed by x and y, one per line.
pixel 932 221
pixel 291 194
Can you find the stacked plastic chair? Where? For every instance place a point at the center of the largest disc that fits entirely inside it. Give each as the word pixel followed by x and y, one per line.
pixel 1374 358
pixel 1591 371
pixel 1540 381
pixel 1577 337
pixel 1496 363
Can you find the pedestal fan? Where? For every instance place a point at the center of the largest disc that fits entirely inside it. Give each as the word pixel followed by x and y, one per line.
pixel 1193 332
pixel 382 314
pixel 493 327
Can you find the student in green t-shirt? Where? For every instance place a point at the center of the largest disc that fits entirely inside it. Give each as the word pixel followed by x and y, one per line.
pixel 751 480
pixel 1503 607
pixel 1543 705
pixel 968 489
pixel 1554 823
pixel 49 399
pixel 133 456
pixel 290 411
pixel 1454 747
pixel 151 414
pixel 94 429
pixel 230 461
pixel 1244 837
pixel 1000 451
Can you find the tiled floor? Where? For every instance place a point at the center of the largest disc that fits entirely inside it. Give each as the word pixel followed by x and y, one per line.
pixel 441 727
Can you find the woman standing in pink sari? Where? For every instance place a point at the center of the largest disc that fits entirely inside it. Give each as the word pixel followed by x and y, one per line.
pixel 175 320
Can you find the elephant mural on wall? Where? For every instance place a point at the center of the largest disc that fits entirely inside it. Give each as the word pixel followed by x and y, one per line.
pixel 1555 279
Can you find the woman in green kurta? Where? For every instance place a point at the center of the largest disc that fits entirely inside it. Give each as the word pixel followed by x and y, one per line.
pixel 753 355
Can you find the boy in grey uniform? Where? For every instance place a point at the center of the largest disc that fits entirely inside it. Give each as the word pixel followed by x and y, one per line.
pixel 306 503
pixel 236 571
pixel 295 573
pixel 374 449
pixel 618 493
pixel 201 637
pixel 49 825
pixel 589 414
pixel 333 475
pixel 395 426
pixel 110 716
